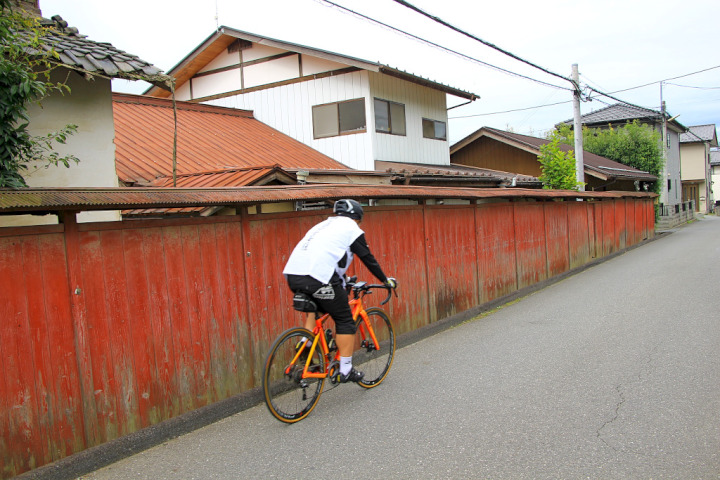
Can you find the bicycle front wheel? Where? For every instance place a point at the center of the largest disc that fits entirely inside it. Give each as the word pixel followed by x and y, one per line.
pixel 374 362
pixel 288 396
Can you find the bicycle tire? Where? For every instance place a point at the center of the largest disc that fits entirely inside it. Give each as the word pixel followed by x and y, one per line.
pixel 375 363
pixel 288 397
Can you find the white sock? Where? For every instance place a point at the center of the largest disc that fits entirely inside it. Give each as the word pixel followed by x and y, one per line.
pixel 345 365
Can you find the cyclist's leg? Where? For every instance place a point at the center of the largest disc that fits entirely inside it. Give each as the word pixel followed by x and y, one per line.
pixel 345 329
pixel 307 285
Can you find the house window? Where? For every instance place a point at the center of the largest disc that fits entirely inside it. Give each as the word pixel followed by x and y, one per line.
pixel 434 129
pixel 339 118
pixel 389 117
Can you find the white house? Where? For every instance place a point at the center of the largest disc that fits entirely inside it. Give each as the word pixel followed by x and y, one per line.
pixel 352 110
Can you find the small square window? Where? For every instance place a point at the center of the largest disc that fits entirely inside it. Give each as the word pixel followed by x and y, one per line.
pixel 434 129
pixel 389 117
pixel 335 119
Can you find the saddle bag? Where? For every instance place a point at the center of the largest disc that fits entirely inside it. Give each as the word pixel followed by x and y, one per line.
pixel 302 302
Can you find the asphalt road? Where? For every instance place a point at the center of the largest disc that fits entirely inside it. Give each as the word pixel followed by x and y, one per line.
pixel 612 373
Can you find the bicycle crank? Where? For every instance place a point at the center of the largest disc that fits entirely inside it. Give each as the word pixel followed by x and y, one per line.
pixel 333 371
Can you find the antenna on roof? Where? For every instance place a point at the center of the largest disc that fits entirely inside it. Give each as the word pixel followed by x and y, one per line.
pixel 217 17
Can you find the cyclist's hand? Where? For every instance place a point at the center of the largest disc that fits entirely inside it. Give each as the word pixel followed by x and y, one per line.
pixel 391 282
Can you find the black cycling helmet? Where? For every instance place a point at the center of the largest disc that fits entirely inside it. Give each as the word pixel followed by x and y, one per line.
pixel 348 208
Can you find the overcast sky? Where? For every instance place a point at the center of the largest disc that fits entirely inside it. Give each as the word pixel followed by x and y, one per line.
pixel 618 45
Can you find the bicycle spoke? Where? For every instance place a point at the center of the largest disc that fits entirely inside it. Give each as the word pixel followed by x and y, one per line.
pixel 288 396
pixel 375 360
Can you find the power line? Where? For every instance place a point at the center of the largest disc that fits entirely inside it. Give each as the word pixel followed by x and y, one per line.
pixel 510 111
pixel 484 42
pixel 690 86
pixel 596 98
pixel 666 79
pixel 454 52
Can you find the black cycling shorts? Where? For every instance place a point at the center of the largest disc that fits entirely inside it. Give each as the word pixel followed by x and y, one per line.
pixel 331 298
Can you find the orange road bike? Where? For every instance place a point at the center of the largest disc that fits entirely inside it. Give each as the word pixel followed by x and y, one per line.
pixel 296 369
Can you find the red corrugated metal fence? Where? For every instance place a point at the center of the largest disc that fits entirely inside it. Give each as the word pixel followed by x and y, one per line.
pixel 110 328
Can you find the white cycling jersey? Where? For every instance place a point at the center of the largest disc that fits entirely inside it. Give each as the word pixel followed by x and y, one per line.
pixel 322 247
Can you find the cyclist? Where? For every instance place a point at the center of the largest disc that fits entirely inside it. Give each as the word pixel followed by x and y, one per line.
pixel 317 267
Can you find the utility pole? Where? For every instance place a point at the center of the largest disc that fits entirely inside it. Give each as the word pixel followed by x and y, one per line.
pixel 577 127
pixel 665 191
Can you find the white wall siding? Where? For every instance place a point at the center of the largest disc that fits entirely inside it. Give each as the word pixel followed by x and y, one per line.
pixel 289 109
pixel 312 65
pixel 258 51
pixel 420 102
pixel 270 72
pixel 263 73
pixel 215 83
pixel 224 59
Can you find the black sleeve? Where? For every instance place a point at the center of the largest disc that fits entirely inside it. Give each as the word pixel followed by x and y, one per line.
pixel 360 248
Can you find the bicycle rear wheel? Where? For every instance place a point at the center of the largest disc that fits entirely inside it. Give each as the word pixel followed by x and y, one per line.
pixel 288 396
pixel 375 362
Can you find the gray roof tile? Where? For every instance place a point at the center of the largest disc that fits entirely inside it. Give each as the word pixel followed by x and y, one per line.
pixel 619 113
pixel 714 157
pixel 76 51
pixel 700 133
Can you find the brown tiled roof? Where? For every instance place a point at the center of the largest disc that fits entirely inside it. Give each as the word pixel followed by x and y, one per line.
pixel 209 138
pixel 592 162
pixel 77 52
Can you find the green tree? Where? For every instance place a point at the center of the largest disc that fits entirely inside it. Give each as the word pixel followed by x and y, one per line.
pixel 557 166
pixel 633 144
pixel 25 66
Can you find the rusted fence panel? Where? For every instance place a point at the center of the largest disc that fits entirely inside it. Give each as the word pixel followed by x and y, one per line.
pixel 109 328
pixel 530 243
pixel 397 238
pixel 497 262
pixel 557 239
pixel 40 410
pixel 610 233
pixel 451 260
pixel 620 222
pixel 580 234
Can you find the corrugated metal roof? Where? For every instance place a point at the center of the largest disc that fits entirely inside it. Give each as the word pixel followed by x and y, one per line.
pixel 234 177
pixel 210 138
pixel 454 170
pixel 239 177
pixel 69 199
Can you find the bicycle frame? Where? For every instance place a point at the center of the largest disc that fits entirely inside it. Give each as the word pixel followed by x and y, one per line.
pixel 358 310
pixel 292 390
